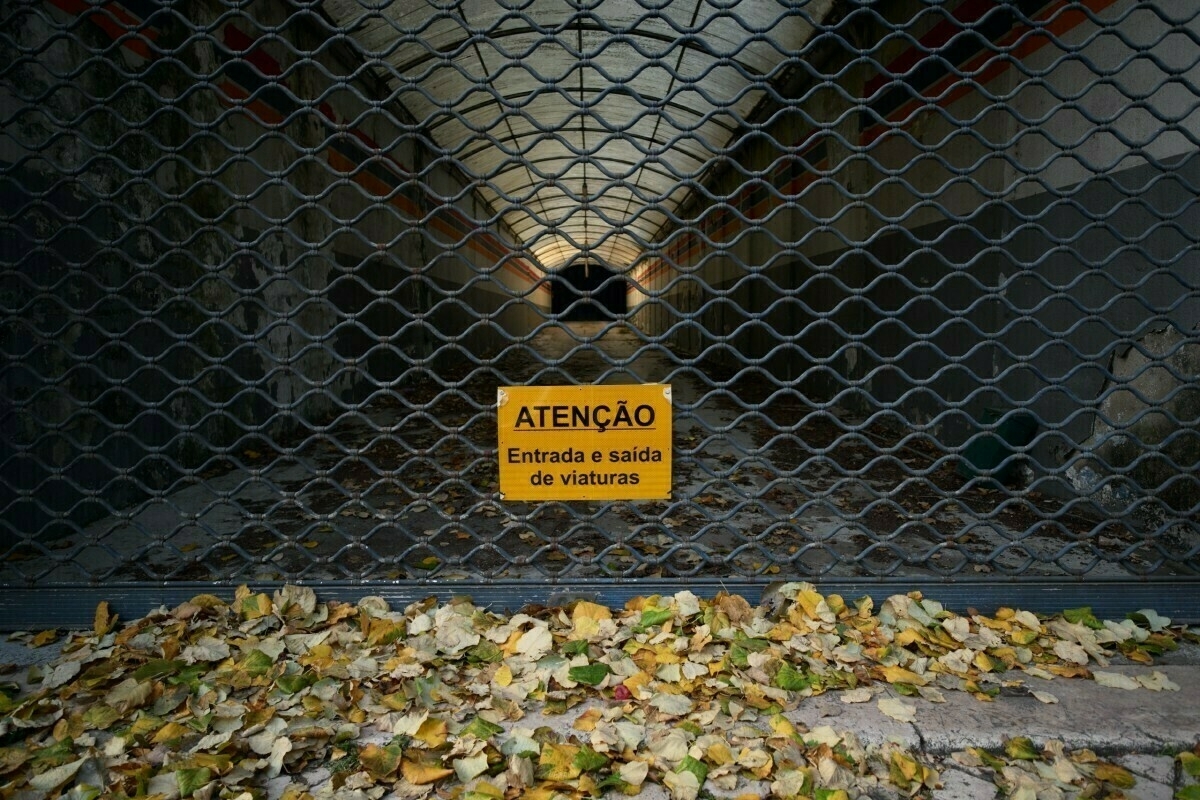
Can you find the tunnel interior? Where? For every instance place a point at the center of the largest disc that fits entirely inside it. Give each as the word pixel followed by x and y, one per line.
pixel 588 292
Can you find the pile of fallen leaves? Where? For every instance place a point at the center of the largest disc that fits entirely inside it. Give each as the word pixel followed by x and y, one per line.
pixel 286 696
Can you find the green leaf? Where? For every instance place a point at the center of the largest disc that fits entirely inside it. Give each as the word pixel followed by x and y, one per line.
pixel 694 766
pixel 100 717
pixel 381 763
pixel 614 781
pixel 485 653
pixel 791 679
pixel 1083 615
pixel 257 663
pixel 655 616
pixel 158 668
pixel 739 656
pixel 55 755
pixel 575 647
pixel 588 760
pixel 294 682
pixel 1188 793
pixel 1190 763
pixel 1021 747
pixel 1149 618
pixel 190 780
pixel 690 727
pixel 189 676
pixel 591 674
pixel 987 758
pixel 481 729
pixel 830 794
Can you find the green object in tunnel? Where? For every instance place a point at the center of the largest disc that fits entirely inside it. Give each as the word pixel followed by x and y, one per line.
pixel 993 450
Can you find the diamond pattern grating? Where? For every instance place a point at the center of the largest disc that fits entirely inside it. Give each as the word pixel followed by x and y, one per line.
pixel 924 279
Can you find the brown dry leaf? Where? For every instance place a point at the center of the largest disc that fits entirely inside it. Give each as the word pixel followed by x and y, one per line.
pixel 691 697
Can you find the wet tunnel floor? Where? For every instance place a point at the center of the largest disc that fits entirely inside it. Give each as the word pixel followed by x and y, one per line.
pixel 764 485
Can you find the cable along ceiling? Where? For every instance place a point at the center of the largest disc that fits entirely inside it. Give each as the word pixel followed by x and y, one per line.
pixel 583 125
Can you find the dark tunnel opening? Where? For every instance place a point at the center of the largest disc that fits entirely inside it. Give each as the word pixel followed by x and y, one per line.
pixel 587 292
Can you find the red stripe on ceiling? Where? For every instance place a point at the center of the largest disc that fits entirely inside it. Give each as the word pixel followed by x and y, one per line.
pixel 248 48
pixel 965 15
pixel 1060 18
pixel 114 20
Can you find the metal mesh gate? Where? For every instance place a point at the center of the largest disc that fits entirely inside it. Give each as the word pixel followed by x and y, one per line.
pixel 924 280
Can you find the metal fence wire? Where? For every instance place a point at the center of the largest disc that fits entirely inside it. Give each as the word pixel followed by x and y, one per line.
pixel 924 279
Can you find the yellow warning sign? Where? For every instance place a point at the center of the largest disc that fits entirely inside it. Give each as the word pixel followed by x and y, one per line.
pixel 610 442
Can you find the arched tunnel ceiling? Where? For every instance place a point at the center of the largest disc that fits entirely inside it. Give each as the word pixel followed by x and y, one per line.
pixel 583 123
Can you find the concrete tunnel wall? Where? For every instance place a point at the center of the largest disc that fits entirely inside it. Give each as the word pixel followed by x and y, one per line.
pixel 171 299
pixel 1033 273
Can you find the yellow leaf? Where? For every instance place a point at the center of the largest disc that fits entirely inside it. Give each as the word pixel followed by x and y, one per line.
pixel 763 772
pixel 189 547
pixel 312 543
pixel 143 726
pixel 503 676
pixel 557 762
pixel 586 610
pixel 587 721
pixel 255 606
pixel 44 638
pixel 421 772
pixel 906 766
pixel 433 732
pixel 984 661
pixel 718 754
pixel 396 701
pixel 294 792
pixel 1023 636
pixel 902 675
pixel 1117 776
pixel 909 774
pixel 814 605
pixel 908 636
pixel 380 763
pixel 755 697
pixel 636 683
pixel 170 732
pixel 1068 670
pixel 781 726
pixel 1140 656
pixel 542 793
pixel 104 620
